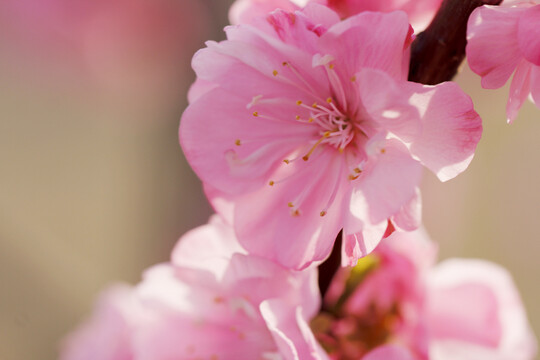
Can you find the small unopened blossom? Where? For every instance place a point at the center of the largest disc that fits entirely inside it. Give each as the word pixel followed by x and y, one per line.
pixel 505 40
pixel 212 302
pixel 305 124
pixel 457 310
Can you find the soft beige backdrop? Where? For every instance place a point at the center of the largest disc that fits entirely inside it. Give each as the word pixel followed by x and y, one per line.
pixel 94 187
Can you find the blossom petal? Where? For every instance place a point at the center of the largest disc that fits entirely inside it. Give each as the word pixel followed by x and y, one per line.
pixel 388 182
pixel 267 225
pixel 240 153
pixel 529 35
pixel 388 352
pixel 290 331
pixel 490 29
pixel 369 40
pixel 535 85
pixel 388 105
pixel 451 128
pixel 245 11
pixel 519 90
pixel 457 275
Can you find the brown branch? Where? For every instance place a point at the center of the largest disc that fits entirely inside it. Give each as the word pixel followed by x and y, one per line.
pixel 436 55
pixel 437 52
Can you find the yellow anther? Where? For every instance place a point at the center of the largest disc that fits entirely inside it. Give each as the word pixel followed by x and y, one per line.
pixel 340 149
pixel 297 117
pixel 286 161
pixel 284 63
pixel 353 78
pixel 326 134
pixel 275 72
pixel 290 204
pixel 296 213
pixel 314 105
pixel 255 113
pixel 311 120
pixel 331 66
pixel 299 102
pixel 329 100
pixel 353 177
pixel 323 213
pixel 271 183
pixel 357 170
pixel 383 150
pixel 237 142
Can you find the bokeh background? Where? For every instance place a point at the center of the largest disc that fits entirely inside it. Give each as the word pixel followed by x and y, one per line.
pixel 94 187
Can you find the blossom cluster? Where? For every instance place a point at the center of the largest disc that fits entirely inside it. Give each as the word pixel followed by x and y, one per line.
pixel 302 125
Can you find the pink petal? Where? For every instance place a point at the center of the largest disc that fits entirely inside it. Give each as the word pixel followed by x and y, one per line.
pixel 369 40
pixel 519 90
pixel 410 216
pixel 389 352
pixel 245 11
pixel 492 44
pixel 529 34
pixel 516 342
pixel 213 151
pixel 535 85
pixel 199 88
pixel 208 247
pixel 267 226
pixel 388 182
pixel 451 128
pixel 107 335
pixel 466 312
pixel 388 105
pixel 290 331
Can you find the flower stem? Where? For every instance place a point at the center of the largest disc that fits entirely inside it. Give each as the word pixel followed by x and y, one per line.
pixel 437 53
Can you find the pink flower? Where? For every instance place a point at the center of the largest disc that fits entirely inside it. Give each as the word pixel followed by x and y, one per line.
pixel 457 310
pixel 306 124
pixel 503 40
pixel 420 12
pixel 213 301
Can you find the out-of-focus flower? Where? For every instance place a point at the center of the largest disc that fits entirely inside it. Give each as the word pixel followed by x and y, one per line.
pixel 505 40
pixel 212 302
pixel 459 309
pixel 420 12
pixel 307 125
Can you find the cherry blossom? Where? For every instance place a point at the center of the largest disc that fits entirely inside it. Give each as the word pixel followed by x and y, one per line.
pixel 505 40
pixel 459 309
pixel 213 301
pixel 304 124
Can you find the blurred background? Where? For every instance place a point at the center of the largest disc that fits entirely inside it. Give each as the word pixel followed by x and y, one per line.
pixel 94 187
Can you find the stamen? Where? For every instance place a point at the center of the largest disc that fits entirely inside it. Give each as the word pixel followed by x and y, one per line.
pixel 353 78
pixel 329 100
pixel 297 117
pixel 299 102
pixel 325 135
pixel 290 204
pixel 237 142
pixel 334 192
pixel 353 177
pixel 255 113
pixel 275 73
pixel 271 183
pixel 286 161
